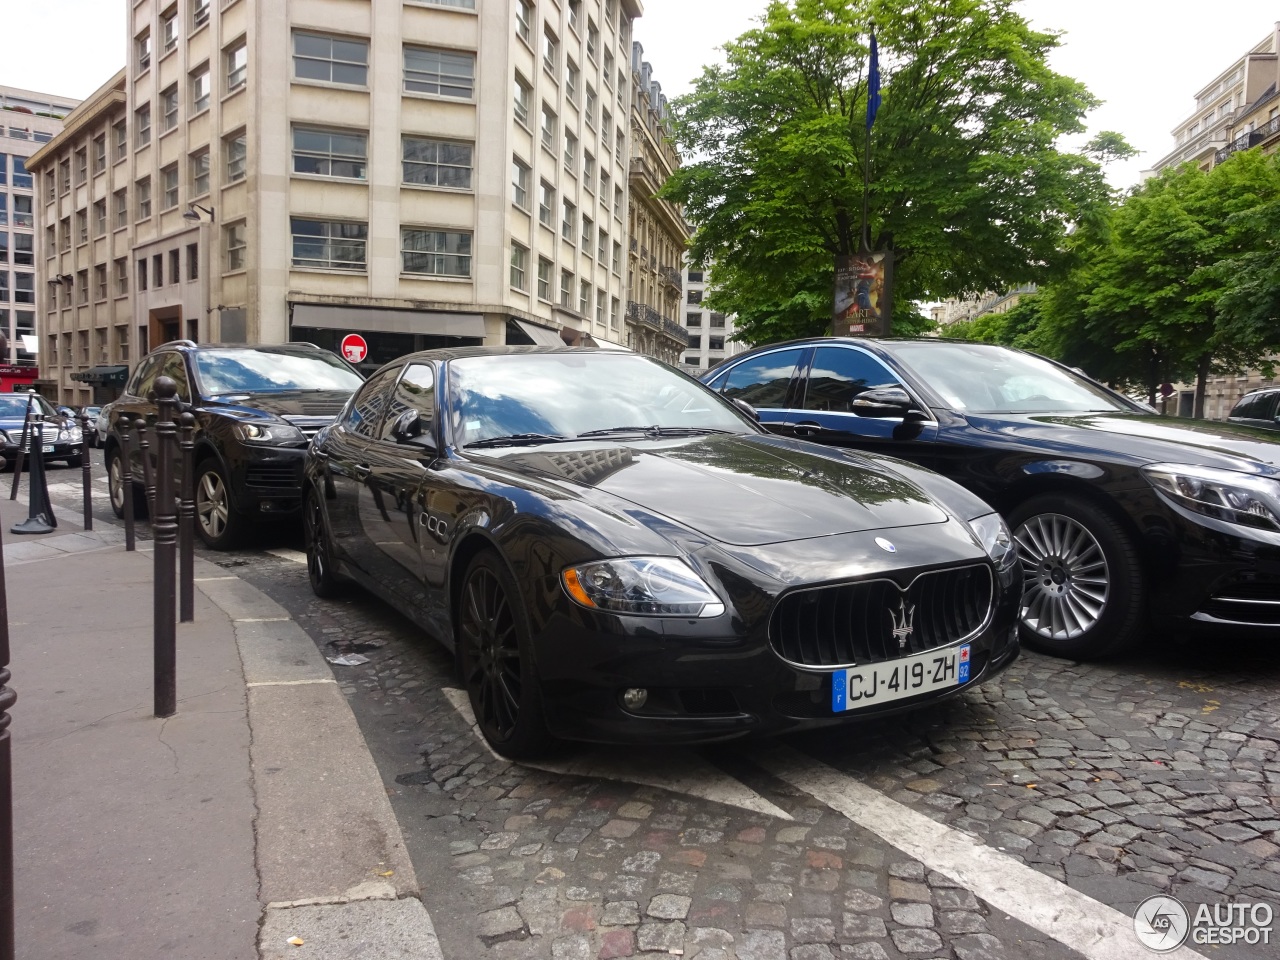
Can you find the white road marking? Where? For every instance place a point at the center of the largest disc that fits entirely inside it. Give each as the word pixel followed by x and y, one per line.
pixel 297 556
pixel 680 771
pixel 1093 929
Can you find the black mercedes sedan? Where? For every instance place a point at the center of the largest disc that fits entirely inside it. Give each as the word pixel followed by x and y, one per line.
pixel 616 554
pixel 1128 523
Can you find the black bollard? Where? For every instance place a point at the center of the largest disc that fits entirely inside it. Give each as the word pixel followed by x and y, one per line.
pixel 126 480
pixel 164 530
pixel 148 470
pixel 85 469
pixel 22 444
pixel 7 700
pixel 40 518
pixel 186 522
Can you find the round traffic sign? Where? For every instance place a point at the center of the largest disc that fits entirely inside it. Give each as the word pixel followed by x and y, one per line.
pixel 354 349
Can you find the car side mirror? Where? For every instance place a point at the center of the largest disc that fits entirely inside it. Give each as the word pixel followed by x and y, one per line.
pixel 747 408
pixel 411 427
pixel 882 402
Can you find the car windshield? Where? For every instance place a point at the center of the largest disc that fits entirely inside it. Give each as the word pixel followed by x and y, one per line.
pixel 565 395
pixel 985 378
pixel 223 371
pixel 13 406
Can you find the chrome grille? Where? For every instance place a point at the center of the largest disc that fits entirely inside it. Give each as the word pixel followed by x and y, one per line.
pixel 310 426
pixel 853 623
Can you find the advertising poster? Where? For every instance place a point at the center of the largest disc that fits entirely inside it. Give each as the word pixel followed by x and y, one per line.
pixel 860 295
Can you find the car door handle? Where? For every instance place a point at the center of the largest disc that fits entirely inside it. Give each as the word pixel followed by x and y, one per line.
pixel 807 428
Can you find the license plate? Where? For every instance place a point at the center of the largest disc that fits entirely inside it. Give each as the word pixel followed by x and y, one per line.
pixel 877 683
pixel 48 448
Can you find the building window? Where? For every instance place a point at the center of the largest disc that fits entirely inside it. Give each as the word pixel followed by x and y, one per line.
pixel 142 194
pixel 235 62
pixel 571 80
pixel 600 297
pixel 617 202
pixel 330 59
pixel 193 261
pixel 588 234
pixel 24 253
pixel 602 246
pixel 437 163
pixel 122 208
pixel 614 306
pixel 605 180
pixel 566 289
pixel 436 253
pixel 4 287
pixel 235 149
pixel 519 184
pixel 544 279
pixel 439 72
pixel 122 277
pixel 199 13
pixel 550 51
pixel 329 244
pixel 616 264
pixel 330 153
pixel 608 67
pixel 175 266
pixel 519 266
pixel 693 319
pixel 575 13
pixel 524 21
pixel 589 109
pixel 169 108
pixel 100 282
pixel 169 184
pixel 584 297
pixel 142 49
pixel 568 220
pixel 588 170
pixel 715 343
pixel 100 218
pixel 169 31
pixel 621 140
pixel 522 94
pixel 548 128
pixel 570 151
pixel 99 153
pixel 120 138
pixel 200 89
pixel 82 226
pixel 235 244
pixel 157 270
pixel 66 233
pixel 695 296
pixel 142 274
pixel 142 124
pixel 546 203
pixel 24 287
pixel 593 38
pixel 199 163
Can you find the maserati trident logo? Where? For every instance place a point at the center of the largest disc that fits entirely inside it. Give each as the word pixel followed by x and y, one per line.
pixel 903 622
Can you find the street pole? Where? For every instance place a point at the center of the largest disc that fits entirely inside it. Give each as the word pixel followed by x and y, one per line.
pixel 164 526
pixel 85 468
pixel 7 700
pixel 126 480
pixel 186 521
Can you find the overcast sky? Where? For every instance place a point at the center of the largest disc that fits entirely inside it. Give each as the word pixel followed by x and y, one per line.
pixel 1144 58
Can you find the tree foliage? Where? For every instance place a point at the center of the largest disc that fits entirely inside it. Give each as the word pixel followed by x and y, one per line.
pixel 968 186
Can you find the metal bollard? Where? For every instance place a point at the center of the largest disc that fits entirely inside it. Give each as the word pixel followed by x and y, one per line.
pixel 126 480
pixel 7 700
pixel 148 470
pixel 85 469
pixel 22 444
pixel 164 528
pixel 40 517
pixel 186 521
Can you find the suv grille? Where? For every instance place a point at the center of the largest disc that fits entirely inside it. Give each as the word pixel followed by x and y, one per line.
pixel 287 476
pixel 853 623
pixel 310 425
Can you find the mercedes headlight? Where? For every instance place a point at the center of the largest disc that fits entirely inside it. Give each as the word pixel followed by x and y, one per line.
pixel 642 586
pixel 70 435
pixel 993 533
pixel 1224 495
pixel 270 433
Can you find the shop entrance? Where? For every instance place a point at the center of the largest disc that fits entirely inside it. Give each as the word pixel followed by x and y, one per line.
pixel 383 347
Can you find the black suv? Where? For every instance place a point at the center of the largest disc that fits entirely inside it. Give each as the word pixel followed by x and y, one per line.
pixel 1261 408
pixel 256 407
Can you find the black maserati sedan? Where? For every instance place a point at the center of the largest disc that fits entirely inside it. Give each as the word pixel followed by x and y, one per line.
pixel 1128 523
pixel 616 554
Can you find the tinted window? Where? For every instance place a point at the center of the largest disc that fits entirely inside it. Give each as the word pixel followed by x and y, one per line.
pixel 762 381
pixel 1255 406
pixel 416 390
pixel 839 374
pixel 363 415
pixel 266 370
pixel 145 375
pixel 175 368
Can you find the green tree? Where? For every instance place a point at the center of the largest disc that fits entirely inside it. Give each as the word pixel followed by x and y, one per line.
pixel 968 186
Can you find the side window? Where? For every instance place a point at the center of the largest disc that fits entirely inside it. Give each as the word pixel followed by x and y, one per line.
pixel 839 374
pixel 1272 410
pixel 416 390
pixel 175 367
pixel 762 381
pixel 144 377
pixel 363 415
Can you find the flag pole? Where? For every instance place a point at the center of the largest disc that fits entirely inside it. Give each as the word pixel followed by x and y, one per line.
pixel 873 104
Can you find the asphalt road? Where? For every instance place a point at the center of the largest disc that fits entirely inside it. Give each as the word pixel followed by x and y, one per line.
pixel 1026 819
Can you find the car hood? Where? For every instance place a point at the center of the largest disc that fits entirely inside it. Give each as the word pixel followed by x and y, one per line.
pixel 287 404
pixel 1143 439
pixel 745 490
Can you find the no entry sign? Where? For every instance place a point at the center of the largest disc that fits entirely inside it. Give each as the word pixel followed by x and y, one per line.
pixel 354 348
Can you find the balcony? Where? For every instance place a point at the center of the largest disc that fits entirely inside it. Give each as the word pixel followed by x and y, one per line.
pixel 671 277
pixel 1248 140
pixel 646 316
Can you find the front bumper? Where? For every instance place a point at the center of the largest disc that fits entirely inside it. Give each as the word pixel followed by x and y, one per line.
pixel 267 481
pixel 51 451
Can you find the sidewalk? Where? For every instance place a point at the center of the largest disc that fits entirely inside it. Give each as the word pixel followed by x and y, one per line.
pixel 254 816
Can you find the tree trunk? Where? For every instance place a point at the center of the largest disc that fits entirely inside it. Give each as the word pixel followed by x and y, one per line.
pixel 1202 380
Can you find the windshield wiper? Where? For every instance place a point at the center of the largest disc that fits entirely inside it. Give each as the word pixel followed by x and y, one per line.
pixel 654 430
pixel 515 439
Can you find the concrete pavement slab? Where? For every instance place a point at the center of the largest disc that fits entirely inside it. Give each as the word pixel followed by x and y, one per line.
pixel 387 930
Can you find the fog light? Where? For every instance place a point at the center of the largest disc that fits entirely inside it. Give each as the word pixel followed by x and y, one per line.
pixel 633 698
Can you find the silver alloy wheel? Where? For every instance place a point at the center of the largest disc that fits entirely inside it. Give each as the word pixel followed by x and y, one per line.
pixel 1065 578
pixel 115 484
pixel 212 506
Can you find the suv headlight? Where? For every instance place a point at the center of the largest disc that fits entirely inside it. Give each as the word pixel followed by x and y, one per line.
pixel 642 586
pixel 993 533
pixel 1225 495
pixel 270 433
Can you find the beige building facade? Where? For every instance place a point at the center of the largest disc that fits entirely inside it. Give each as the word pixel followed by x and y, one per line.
pixel 657 230
pixel 417 172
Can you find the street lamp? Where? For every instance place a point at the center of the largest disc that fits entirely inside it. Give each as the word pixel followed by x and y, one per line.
pixel 198 213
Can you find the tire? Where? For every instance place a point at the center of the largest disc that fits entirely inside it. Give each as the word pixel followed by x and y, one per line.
pixel 75 461
pixel 217 522
pixel 321 571
pixel 115 484
pixel 493 645
pixel 1084 597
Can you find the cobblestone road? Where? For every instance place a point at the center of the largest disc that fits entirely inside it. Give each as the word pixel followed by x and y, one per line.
pixel 1119 781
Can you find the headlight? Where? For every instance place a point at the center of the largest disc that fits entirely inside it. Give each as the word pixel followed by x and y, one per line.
pixel 642 586
pixel 1224 495
pixel 993 533
pixel 70 435
pixel 270 433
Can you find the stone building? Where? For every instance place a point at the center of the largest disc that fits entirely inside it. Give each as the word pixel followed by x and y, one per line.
pixel 710 333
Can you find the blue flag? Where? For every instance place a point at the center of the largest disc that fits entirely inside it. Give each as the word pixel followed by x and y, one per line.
pixel 873 82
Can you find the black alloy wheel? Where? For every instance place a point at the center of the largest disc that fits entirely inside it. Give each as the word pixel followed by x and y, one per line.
pixel 1083 594
pixel 321 571
pixel 493 645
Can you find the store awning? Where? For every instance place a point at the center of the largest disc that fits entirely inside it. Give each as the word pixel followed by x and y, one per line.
pixel 594 340
pixel 542 336
pixel 374 320
pixel 102 376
